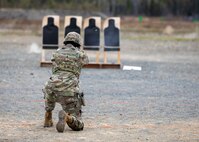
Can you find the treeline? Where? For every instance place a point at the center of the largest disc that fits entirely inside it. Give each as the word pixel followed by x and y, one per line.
pixel 114 7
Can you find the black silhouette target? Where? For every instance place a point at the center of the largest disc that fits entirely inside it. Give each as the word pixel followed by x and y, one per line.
pixel 92 35
pixel 72 27
pixel 50 35
pixel 111 36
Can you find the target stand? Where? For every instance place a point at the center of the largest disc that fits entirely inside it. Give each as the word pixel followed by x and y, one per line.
pixel 111 29
pixel 50 40
pixel 91 39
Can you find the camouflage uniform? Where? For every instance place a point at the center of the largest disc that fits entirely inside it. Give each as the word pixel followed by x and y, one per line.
pixel 63 85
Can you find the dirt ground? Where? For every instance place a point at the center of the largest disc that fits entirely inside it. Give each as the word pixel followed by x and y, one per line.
pixel 157 104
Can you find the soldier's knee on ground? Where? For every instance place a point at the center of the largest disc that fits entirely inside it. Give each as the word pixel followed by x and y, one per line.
pixel 76 125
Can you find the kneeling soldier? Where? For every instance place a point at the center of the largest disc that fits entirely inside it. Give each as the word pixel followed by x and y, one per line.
pixel 63 85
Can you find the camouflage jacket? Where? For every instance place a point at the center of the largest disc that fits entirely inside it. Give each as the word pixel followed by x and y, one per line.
pixel 67 64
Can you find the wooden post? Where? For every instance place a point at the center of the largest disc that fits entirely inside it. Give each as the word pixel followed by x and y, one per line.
pixel 43 55
pixel 118 57
pixel 97 56
pixel 105 57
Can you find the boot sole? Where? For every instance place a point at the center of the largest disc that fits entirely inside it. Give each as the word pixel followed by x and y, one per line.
pixel 61 123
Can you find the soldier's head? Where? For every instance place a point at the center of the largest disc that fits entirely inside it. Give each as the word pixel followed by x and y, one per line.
pixel 73 38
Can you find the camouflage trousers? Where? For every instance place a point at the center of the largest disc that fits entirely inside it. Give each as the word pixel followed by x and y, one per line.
pixel 70 105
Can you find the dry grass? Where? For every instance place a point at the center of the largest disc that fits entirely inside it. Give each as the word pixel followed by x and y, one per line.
pixel 157 25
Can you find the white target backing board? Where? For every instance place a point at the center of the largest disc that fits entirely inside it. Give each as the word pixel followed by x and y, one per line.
pixel 116 19
pixel 78 21
pixel 97 22
pixel 55 17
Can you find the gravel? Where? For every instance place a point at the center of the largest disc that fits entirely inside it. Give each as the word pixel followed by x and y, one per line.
pixel 158 103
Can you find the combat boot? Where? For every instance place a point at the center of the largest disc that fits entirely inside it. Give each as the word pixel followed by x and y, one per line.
pixel 48 119
pixel 63 119
pixel 69 119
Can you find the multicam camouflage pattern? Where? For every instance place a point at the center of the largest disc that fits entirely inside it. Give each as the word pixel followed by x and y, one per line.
pixel 74 37
pixel 67 63
pixel 72 106
pixel 63 85
pixel 77 124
